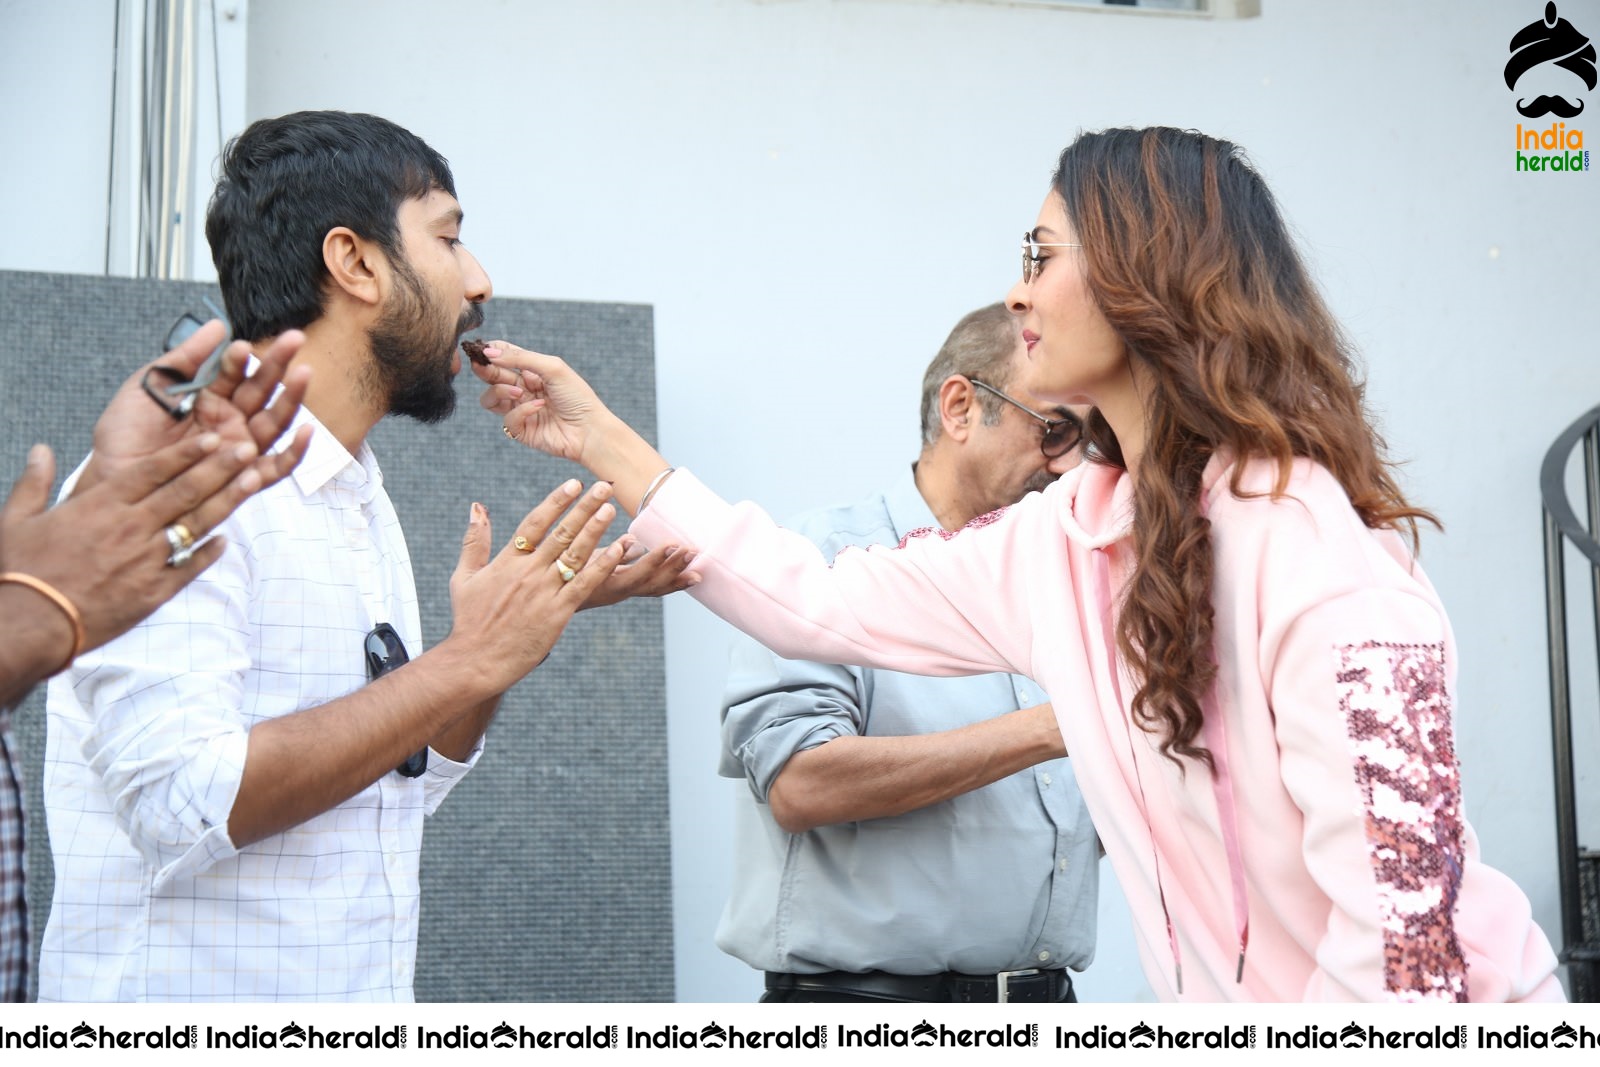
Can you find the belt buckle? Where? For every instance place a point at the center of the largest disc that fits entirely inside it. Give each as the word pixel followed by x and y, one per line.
pixel 1002 980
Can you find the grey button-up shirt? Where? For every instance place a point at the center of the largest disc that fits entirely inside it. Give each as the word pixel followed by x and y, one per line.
pixel 1001 878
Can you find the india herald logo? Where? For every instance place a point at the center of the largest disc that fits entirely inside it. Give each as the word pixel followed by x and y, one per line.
pixel 1554 42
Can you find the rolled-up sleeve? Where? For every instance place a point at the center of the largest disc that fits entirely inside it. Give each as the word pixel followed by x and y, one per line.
pixel 160 723
pixel 774 707
pixel 443 774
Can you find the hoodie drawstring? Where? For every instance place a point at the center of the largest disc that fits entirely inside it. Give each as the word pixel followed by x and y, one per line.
pixel 1214 732
pixel 1102 582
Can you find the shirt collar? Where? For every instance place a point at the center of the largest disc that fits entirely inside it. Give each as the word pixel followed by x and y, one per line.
pixel 327 460
pixel 907 509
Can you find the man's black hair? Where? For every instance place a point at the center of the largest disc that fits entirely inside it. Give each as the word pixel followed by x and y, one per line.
pixel 285 183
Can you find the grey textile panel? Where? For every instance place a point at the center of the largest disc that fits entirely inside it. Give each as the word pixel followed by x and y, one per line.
pixel 546 875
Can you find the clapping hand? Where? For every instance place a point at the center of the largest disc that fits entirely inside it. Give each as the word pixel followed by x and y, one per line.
pixel 240 408
pixel 133 531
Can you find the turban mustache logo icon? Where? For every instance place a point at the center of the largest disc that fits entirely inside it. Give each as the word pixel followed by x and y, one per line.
pixel 1550 105
pixel 1557 41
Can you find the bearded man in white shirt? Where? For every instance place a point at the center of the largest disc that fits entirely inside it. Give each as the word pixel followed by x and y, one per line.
pixel 234 811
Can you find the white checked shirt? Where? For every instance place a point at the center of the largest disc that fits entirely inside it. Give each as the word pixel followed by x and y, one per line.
pixel 146 748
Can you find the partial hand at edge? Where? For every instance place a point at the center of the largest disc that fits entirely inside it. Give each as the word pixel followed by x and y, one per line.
pixel 106 549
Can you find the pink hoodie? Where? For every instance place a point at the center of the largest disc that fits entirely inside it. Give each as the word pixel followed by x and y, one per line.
pixel 1328 858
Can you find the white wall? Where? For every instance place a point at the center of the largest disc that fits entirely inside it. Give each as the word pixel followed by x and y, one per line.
pixel 73 179
pixel 55 128
pixel 811 192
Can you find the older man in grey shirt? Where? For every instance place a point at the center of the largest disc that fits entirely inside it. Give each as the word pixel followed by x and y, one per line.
pixel 908 838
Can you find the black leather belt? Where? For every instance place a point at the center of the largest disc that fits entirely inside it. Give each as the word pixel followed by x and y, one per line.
pixel 1030 986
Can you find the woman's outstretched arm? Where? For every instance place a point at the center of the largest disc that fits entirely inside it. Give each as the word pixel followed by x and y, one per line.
pixel 548 406
pixel 938 605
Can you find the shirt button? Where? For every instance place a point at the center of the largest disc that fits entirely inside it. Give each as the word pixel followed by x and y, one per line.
pixel 1062 863
pixel 1044 957
pixel 1045 778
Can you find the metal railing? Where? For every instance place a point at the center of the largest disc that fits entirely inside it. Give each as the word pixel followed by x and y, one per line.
pixel 1579 868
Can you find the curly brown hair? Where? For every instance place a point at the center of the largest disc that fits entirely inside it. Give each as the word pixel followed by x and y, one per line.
pixel 1190 262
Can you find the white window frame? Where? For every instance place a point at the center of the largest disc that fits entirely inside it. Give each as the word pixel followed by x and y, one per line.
pixel 1213 9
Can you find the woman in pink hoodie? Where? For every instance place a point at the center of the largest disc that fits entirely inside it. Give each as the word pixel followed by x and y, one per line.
pixel 1253 676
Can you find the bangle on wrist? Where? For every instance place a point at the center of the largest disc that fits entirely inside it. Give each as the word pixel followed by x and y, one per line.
pixel 59 599
pixel 655 483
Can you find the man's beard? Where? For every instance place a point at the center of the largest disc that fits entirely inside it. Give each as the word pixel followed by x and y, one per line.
pixel 412 344
pixel 1039 482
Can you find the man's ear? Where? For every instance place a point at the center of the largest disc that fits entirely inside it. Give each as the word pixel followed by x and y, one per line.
pixel 355 265
pixel 958 407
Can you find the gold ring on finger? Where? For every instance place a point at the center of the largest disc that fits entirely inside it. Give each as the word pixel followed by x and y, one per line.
pixel 507 431
pixel 521 544
pixel 180 550
pixel 566 572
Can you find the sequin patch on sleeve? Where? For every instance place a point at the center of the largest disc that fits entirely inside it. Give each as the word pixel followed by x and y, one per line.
pixel 928 531
pixel 1397 711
